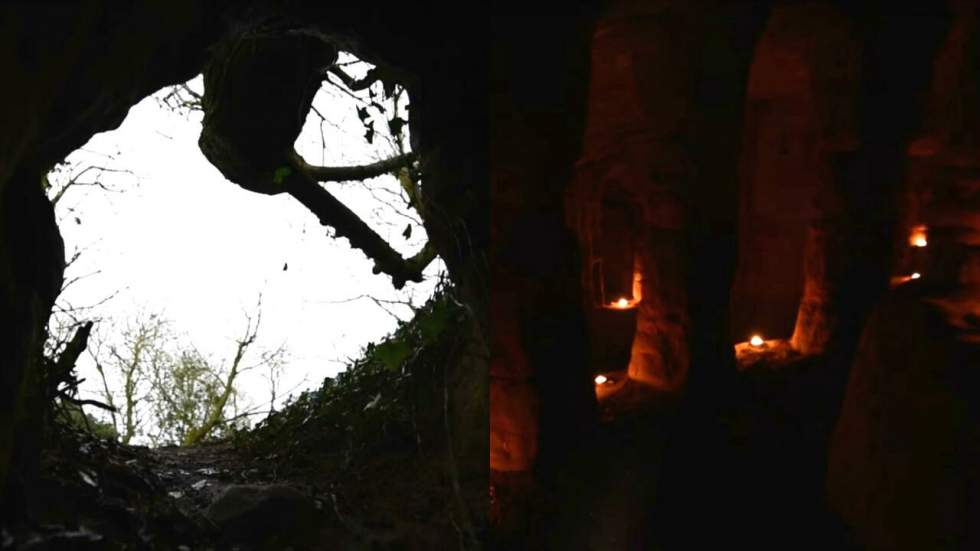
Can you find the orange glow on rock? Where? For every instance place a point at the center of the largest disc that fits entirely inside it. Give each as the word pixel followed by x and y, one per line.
pixel 918 236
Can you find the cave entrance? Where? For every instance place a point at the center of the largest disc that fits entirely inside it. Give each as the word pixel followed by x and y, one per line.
pixel 230 301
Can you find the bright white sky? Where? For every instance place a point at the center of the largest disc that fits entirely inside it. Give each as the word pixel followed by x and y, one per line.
pixel 182 240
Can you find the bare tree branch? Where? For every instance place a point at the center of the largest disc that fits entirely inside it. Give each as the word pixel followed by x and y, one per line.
pixel 357 172
pixel 75 181
pixel 332 212
pixel 105 388
pixel 95 403
pixel 216 414
pixel 61 370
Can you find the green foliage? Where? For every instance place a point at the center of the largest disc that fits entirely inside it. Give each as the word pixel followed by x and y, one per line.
pixel 166 391
pixel 432 326
pixel 390 397
pixel 72 415
pixel 392 353
pixel 187 390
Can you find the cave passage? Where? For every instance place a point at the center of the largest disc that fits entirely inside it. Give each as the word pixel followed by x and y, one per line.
pixel 768 272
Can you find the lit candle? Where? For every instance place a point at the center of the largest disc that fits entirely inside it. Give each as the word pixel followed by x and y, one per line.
pixel 916 275
pixel 601 379
pixel 918 237
pixel 622 304
pixel 756 341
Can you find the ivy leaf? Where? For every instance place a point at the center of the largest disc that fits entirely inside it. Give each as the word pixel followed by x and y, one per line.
pixel 369 135
pixel 432 325
pixel 280 175
pixel 393 353
pixel 362 113
pixel 408 231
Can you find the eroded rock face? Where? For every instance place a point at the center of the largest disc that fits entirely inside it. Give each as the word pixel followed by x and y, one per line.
pixel 540 388
pixel 639 104
pixel 265 515
pixel 514 418
pixel 801 106
pixel 659 133
pixel 903 462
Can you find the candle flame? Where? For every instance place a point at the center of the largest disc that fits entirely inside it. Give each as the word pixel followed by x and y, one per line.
pixel 918 237
pixel 601 379
pixel 756 341
pixel 915 275
pixel 622 303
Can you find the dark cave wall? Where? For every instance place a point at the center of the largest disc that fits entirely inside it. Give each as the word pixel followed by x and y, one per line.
pixel 801 105
pixel 827 118
pixel 704 105
pixel 62 88
pixel 903 459
pixel 541 391
pixel 637 140
pixel 862 107
pixel 75 70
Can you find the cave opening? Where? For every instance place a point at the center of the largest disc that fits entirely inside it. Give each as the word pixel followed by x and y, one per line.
pixel 227 290
pixel 394 436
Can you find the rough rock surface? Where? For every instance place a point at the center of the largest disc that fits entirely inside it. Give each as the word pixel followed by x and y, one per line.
pixel 903 460
pixel 276 513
